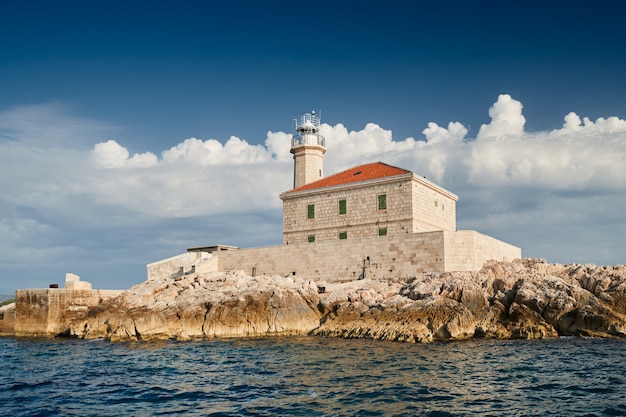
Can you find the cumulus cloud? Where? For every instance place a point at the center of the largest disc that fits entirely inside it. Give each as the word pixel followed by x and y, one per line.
pixel 442 146
pixel 572 122
pixel 194 178
pixel 211 152
pixel 278 143
pixel 575 157
pixel 453 134
pixel 111 154
pixel 82 199
pixel 206 177
pixel 506 119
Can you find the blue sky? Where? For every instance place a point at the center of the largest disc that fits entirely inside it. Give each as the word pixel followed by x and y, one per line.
pixel 130 131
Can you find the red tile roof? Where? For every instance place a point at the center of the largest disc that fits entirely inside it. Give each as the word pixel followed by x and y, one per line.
pixel 359 173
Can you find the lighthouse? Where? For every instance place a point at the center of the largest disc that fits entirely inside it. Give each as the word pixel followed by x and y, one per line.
pixel 308 149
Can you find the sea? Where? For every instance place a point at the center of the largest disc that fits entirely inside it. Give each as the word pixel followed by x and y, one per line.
pixel 312 376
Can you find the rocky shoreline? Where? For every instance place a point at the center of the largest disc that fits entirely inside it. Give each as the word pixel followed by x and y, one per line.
pixel 525 299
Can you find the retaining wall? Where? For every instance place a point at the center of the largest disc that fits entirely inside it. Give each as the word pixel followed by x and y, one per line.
pixel 48 312
pixel 381 257
pixel 179 265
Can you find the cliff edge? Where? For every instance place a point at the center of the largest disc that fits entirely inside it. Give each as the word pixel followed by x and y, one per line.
pixel 527 298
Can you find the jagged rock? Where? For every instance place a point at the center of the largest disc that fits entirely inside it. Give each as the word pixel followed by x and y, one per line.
pixel 229 304
pixel 527 298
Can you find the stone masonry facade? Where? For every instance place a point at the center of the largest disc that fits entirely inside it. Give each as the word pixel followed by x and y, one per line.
pixel 310 161
pixel 380 257
pixel 386 206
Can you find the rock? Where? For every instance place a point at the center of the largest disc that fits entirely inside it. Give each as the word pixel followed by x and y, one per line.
pixel 229 304
pixel 526 298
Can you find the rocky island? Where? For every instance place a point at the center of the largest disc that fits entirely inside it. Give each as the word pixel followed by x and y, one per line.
pixel 526 298
pixel 369 252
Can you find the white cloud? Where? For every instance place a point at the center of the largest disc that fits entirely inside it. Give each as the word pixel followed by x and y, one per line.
pixel 211 152
pixel 111 154
pixel 453 134
pixel 194 178
pixel 506 119
pixel 572 122
pixel 205 177
pixel 278 143
pixel 576 157
pixel 441 147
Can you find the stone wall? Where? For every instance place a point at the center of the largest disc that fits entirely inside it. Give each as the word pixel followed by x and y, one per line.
pixel 179 265
pixel 381 257
pixel 433 208
pixel 73 282
pixel 48 312
pixel 341 260
pixel 468 250
pixel 7 320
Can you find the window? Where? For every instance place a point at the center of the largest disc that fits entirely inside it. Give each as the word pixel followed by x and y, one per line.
pixel 311 238
pixel 382 202
pixel 310 214
pixel 382 232
pixel 436 203
pixel 343 235
pixel 342 207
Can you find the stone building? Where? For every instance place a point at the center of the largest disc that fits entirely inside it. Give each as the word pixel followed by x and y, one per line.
pixel 368 200
pixel 373 220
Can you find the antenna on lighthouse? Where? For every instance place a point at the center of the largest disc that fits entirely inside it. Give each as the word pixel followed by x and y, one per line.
pixel 308 148
pixel 307 130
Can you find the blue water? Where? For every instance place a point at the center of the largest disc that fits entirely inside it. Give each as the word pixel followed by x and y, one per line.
pixel 312 376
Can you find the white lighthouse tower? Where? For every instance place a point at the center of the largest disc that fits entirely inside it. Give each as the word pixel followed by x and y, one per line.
pixel 308 149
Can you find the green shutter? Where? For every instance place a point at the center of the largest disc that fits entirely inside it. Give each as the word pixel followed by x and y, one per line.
pixel 382 202
pixel 343 235
pixel 311 238
pixel 382 232
pixel 342 207
pixel 311 211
